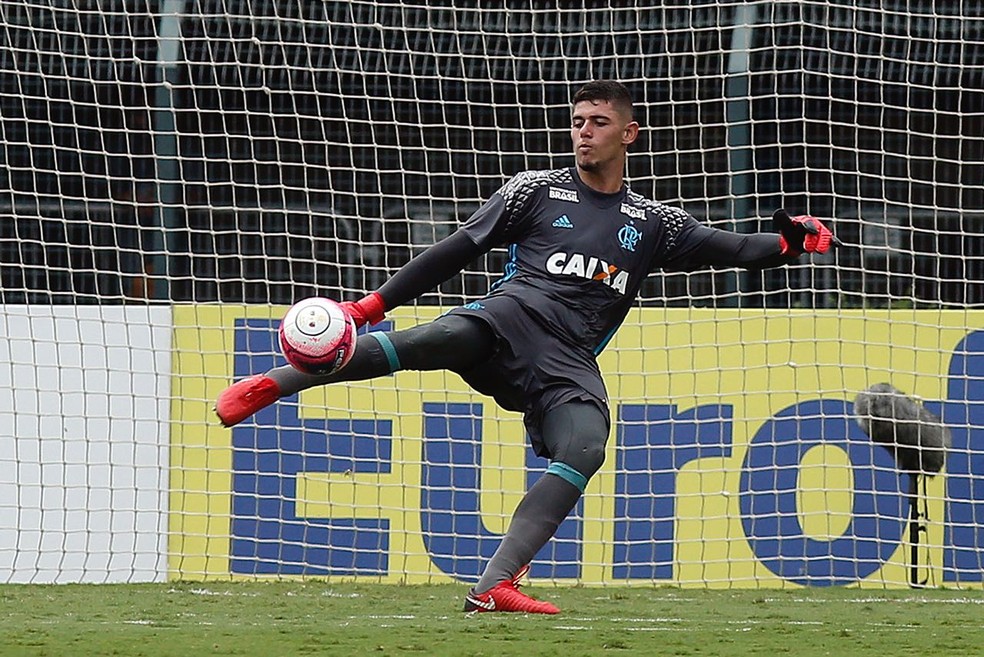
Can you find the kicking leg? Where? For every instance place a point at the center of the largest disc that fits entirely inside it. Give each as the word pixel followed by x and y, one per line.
pixel 575 434
pixel 451 342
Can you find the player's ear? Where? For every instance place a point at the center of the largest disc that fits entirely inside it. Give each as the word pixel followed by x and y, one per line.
pixel 630 133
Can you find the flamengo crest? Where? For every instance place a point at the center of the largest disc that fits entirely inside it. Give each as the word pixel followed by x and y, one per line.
pixel 629 236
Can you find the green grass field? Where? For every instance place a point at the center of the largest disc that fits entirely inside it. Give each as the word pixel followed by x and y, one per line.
pixel 315 618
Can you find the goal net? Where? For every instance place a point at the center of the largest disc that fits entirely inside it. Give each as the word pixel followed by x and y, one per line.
pixel 174 173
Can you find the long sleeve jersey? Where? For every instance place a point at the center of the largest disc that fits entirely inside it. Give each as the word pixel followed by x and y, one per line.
pixel 578 257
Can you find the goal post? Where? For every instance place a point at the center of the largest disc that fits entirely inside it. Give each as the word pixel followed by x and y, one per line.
pixel 175 173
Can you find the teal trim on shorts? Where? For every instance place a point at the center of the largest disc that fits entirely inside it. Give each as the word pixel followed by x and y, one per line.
pixel 388 349
pixel 568 474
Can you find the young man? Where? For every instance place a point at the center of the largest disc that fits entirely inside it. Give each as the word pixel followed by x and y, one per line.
pixel 580 245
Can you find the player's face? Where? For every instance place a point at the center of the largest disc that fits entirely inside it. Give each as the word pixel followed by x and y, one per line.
pixel 600 135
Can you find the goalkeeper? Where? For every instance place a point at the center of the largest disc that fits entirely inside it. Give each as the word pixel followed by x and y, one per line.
pixel 580 244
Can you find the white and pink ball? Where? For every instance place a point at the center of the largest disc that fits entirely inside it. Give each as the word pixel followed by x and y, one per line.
pixel 317 336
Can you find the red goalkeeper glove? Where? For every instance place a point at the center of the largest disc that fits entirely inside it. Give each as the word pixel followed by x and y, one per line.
pixel 802 234
pixel 370 309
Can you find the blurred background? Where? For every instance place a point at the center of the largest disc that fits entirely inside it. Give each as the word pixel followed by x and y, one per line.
pixel 260 151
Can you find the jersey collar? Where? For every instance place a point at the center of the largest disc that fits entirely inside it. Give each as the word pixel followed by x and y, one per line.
pixel 597 198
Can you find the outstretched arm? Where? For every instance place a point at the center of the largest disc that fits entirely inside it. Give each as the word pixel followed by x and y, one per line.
pixel 435 265
pixel 723 248
pixel 490 225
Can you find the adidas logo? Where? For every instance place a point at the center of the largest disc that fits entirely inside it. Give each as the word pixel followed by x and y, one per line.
pixel 563 221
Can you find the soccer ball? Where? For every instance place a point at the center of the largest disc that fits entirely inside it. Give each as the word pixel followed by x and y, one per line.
pixel 317 336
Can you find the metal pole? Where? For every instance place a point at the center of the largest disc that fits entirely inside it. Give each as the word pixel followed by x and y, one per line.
pixel 738 117
pixel 917 526
pixel 169 54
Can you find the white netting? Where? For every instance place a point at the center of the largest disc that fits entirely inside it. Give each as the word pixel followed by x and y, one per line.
pixel 187 152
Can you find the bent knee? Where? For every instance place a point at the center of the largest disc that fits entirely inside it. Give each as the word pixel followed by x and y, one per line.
pixel 591 459
pixel 586 458
pixel 575 435
pixel 578 468
pixel 583 458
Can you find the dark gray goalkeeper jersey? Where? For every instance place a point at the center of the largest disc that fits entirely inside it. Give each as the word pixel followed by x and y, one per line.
pixel 577 257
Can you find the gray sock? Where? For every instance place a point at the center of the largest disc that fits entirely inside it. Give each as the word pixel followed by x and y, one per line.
pixel 536 520
pixel 433 346
pixel 292 381
pixel 368 362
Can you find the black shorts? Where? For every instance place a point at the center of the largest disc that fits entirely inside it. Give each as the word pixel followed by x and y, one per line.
pixel 531 371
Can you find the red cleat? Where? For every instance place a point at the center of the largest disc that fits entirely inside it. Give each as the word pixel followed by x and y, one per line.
pixel 245 397
pixel 504 596
pixel 517 579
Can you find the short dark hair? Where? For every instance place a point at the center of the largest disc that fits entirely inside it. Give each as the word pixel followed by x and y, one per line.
pixel 606 90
